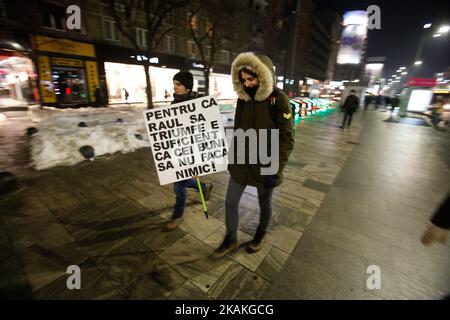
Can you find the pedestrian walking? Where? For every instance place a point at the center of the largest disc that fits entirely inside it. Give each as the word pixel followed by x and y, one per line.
pixel 395 102
pixel 367 101
pixel 260 105
pixel 351 104
pixel 98 97
pixel 126 95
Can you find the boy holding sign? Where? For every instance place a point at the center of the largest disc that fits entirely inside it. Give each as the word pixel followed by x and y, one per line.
pixel 183 83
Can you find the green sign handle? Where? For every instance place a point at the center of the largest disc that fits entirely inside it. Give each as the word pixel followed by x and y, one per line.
pixel 205 209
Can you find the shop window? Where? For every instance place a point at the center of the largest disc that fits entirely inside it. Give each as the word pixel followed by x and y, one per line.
pixel 208 52
pixel 191 49
pixel 225 56
pixel 141 37
pixel 2 9
pixel 110 30
pixel 53 17
pixel 209 29
pixel 70 85
pixel 169 43
pixel 192 24
pixel 169 18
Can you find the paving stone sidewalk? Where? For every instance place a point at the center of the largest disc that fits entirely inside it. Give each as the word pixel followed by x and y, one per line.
pixel 106 216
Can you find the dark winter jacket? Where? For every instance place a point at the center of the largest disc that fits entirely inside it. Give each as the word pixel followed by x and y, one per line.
pixel 259 113
pixel 351 104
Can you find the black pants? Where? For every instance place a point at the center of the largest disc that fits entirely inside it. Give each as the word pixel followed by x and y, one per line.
pixel 348 115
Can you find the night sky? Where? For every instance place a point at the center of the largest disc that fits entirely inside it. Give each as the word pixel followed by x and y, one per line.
pixel 401 26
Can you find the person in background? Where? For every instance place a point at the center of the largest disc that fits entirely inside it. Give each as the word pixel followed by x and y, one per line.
pixel 387 102
pixel 183 83
pixel 395 102
pixel 126 95
pixel 351 104
pixel 98 97
pixel 378 101
pixel 367 101
pixel 436 110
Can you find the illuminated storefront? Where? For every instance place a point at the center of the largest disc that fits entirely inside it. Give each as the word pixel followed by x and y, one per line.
pixel 221 85
pixel 123 75
pixel 68 75
pixel 17 72
pixel 17 79
pixel 130 78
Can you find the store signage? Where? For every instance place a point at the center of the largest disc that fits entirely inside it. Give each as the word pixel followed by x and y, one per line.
pixel 45 77
pixel 353 37
pixel 92 77
pixel 422 82
pixel 65 46
pixel 67 62
pixel 187 139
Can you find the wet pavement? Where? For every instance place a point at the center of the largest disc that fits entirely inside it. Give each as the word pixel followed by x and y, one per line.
pixel 350 199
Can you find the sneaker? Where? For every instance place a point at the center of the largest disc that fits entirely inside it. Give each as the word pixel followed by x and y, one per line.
pixel 173 223
pixel 225 248
pixel 257 242
pixel 207 192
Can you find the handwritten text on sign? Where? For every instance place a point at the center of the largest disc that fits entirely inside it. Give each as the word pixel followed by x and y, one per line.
pixel 187 139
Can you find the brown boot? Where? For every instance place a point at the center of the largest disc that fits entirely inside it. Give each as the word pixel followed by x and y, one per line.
pixel 173 223
pixel 257 242
pixel 226 247
pixel 434 233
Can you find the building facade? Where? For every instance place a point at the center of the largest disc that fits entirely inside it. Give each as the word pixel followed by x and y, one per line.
pixel 64 67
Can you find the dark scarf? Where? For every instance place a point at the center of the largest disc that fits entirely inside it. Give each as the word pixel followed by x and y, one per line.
pixel 251 91
pixel 184 97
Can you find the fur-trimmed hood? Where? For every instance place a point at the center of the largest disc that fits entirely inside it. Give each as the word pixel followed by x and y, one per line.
pixel 262 66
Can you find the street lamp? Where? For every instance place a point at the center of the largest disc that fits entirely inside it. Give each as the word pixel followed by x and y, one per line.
pixel 437 35
pixel 444 29
pixel 426 26
pixel 418 63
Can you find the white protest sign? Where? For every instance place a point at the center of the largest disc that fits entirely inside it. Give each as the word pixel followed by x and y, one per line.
pixel 187 139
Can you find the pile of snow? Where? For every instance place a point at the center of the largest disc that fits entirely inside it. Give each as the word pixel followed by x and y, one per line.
pixel 60 137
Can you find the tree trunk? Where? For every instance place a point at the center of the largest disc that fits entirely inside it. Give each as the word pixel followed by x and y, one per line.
pixel 206 75
pixel 148 86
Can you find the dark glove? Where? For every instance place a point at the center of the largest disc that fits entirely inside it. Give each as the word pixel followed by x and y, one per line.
pixel 270 181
